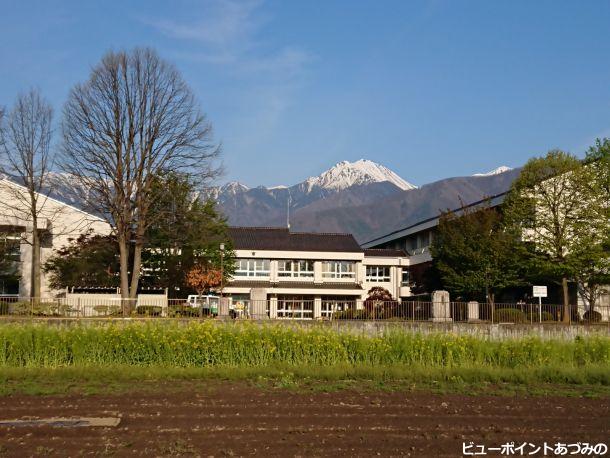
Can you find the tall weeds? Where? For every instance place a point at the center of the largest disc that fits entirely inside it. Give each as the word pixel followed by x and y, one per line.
pixel 204 344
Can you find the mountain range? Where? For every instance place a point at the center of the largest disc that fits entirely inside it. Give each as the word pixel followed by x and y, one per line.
pixel 362 197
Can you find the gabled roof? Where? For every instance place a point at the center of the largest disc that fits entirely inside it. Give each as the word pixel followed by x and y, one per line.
pixel 281 239
pixel 10 182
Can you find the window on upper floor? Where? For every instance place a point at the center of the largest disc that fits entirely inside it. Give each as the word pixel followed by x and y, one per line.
pixel 418 243
pixel 295 268
pixel 252 268
pixel 11 245
pixel 338 269
pixel 378 273
pixel 405 277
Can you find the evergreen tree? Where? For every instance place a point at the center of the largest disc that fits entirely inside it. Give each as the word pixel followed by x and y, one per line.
pixel 90 261
pixel 475 255
pixel 187 230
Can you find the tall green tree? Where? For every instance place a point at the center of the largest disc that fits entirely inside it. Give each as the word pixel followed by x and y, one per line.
pixel 598 156
pixel 553 207
pixel 474 254
pixel 187 230
pixel 89 261
pixel 593 276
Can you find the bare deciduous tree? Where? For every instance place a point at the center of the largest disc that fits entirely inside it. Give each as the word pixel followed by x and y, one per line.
pixel 135 118
pixel 25 139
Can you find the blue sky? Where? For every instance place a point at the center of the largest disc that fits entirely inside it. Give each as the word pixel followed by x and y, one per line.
pixel 431 89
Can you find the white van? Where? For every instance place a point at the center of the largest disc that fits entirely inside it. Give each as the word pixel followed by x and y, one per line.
pixel 209 303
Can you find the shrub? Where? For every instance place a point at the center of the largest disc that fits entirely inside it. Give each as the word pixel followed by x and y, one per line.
pixel 149 310
pixel 36 308
pixel 20 308
pixel 510 316
pixel 592 316
pixel 350 314
pixel 47 309
pixel 108 310
pixel 183 311
pixel 534 316
pixel 417 310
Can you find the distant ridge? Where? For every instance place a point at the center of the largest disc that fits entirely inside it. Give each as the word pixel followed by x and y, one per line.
pixel 363 198
pixel 501 169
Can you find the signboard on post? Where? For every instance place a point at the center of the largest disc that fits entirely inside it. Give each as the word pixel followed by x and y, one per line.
pixel 539 291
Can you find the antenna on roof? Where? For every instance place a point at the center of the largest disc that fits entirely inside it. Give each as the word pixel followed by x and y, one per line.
pixel 288 211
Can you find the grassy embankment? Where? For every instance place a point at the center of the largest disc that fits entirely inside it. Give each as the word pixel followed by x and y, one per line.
pixel 36 358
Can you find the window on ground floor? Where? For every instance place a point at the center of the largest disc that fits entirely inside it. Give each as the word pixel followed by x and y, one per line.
pixel 295 307
pixel 9 286
pixel 334 304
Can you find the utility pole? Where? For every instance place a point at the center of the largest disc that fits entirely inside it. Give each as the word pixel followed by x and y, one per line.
pixel 222 273
pixel 288 211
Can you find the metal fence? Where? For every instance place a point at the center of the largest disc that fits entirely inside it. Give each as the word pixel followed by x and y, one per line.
pixel 155 306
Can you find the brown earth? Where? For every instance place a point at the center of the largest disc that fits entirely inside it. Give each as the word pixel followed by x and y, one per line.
pixel 238 419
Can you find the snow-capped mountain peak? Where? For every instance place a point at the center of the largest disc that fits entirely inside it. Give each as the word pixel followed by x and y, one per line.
pixel 234 187
pixel 346 174
pixel 499 170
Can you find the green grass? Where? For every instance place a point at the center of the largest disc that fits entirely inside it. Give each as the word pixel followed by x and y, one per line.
pixel 38 358
pixel 464 380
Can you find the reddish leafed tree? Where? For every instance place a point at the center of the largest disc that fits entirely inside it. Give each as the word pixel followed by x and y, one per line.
pixel 203 277
pixel 379 303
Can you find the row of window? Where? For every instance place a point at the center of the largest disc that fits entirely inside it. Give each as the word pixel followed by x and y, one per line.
pixel 304 269
pixel 294 269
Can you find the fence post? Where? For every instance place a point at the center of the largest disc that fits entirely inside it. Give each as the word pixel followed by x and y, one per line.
pixel 441 307
pixel 223 308
pixel 473 311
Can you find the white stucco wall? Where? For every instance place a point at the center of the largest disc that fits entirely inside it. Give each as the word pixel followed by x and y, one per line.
pixel 311 286
pixel 63 221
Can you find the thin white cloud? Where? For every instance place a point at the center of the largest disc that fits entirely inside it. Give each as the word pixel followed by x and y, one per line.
pixel 224 25
pixel 227 33
pixel 230 34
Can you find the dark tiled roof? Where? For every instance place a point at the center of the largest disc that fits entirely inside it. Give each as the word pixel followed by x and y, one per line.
pixel 385 252
pixel 281 239
pixel 292 284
